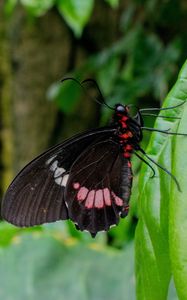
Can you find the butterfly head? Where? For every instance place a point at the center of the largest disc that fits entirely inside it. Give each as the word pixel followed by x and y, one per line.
pixel 124 112
pixel 121 109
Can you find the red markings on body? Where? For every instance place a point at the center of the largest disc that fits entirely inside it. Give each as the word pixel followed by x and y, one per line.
pixel 90 199
pixel 117 200
pixel 127 151
pixel 123 121
pixel 127 155
pixel 76 185
pixel 130 134
pixel 126 135
pixel 128 147
pixel 82 193
pixel 129 164
pixel 124 118
pixel 124 125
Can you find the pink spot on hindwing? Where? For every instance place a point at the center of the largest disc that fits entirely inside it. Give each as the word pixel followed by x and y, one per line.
pixel 99 203
pixel 107 198
pixel 82 193
pixel 90 199
pixel 96 198
pixel 76 185
pixel 118 201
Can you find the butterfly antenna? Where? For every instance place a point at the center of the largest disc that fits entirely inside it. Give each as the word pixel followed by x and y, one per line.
pixel 85 91
pixel 142 159
pixel 70 78
pixel 163 131
pixel 161 167
pixel 100 93
pixel 164 108
pixel 157 116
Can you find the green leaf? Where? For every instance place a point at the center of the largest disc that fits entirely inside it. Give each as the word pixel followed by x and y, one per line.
pixel 7 233
pixel 41 267
pixel 76 13
pixel 153 268
pixel 178 203
pixel 37 8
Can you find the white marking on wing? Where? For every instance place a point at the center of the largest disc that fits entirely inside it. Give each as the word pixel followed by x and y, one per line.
pixel 65 179
pixel 50 160
pixel 58 180
pixel 62 180
pixel 53 167
pixel 59 171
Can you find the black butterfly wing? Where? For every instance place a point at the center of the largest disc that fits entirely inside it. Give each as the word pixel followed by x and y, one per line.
pixel 99 187
pixel 36 195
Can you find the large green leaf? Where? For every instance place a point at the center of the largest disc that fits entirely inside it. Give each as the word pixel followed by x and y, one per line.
pixel 178 204
pixel 76 13
pixel 38 266
pixel 153 267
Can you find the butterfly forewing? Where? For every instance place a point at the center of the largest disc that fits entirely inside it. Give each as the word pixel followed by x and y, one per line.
pixel 94 196
pixel 36 195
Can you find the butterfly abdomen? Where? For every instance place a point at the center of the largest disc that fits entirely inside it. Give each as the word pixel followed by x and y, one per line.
pixel 125 135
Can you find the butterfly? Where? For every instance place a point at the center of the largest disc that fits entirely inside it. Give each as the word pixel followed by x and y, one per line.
pixel 86 179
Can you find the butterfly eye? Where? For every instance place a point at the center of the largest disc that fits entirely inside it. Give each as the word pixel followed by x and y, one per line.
pixel 120 108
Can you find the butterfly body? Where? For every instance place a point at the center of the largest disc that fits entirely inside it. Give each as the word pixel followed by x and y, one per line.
pixel 87 179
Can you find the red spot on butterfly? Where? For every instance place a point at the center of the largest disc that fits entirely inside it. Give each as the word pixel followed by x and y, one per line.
pixel 99 201
pixel 126 135
pixel 90 199
pixel 127 155
pixel 124 125
pixel 124 118
pixel 107 197
pixel 97 198
pixel 128 147
pixel 118 200
pixel 76 185
pixel 82 193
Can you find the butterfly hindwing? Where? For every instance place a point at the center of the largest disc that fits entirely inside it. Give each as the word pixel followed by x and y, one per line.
pixel 95 194
pixel 36 195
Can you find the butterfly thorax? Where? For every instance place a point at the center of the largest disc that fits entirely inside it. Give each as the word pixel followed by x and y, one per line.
pixel 129 131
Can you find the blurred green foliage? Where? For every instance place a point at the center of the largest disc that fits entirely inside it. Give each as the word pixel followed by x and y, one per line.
pixel 76 13
pixel 52 266
pixel 139 68
pixel 69 90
